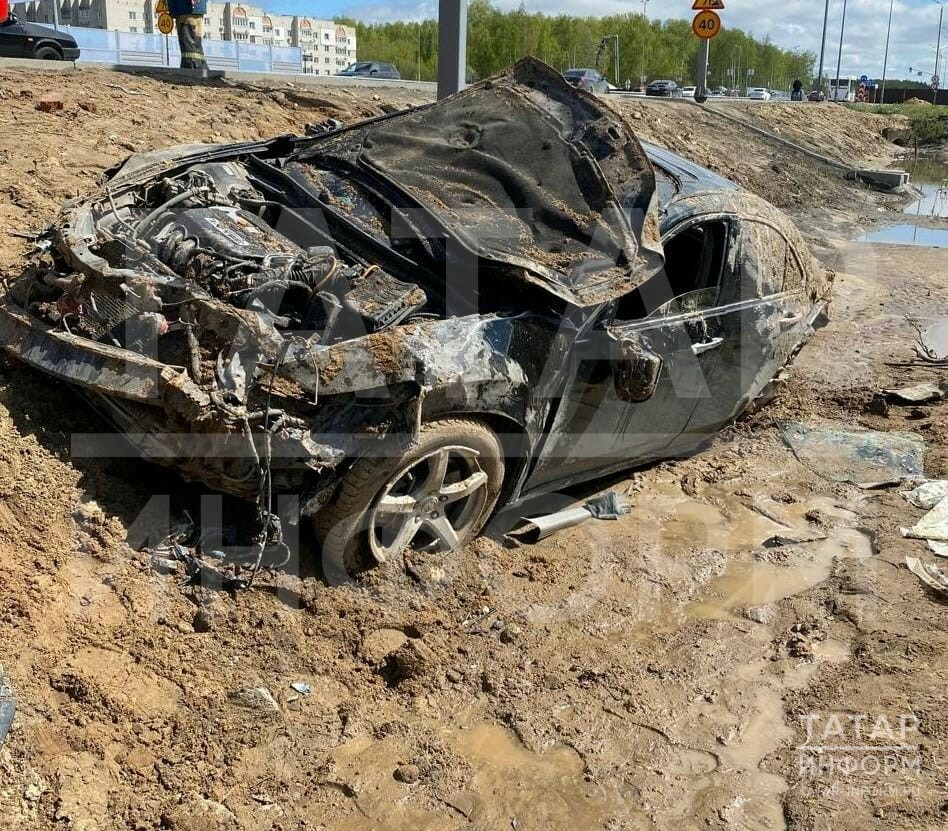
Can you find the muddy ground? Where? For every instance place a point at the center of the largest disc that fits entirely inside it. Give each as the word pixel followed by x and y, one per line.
pixel 647 673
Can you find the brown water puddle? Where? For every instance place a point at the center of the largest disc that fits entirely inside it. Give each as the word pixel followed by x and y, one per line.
pixel 756 582
pixel 534 790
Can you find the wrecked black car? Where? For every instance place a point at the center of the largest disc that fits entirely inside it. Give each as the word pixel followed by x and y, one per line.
pixel 413 319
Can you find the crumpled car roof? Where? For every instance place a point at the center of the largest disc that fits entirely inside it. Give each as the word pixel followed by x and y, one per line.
pixel 526 171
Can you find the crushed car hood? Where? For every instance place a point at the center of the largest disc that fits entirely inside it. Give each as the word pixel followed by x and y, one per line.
pixel 526 171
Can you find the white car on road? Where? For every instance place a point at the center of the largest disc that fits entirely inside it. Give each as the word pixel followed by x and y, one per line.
pixel 759 94
pixel 688 92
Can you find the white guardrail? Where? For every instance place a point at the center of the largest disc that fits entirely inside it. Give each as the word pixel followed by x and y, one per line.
pixel 131 49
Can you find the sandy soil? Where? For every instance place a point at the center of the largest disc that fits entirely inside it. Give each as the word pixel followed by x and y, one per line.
pixel 647 673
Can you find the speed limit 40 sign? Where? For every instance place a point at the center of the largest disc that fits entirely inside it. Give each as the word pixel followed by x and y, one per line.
pixel 707 24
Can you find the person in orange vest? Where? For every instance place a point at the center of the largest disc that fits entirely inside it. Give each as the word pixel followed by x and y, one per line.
pixel 189 19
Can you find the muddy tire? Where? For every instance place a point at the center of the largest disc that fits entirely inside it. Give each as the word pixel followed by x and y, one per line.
pixel 47 53
pixel 436 495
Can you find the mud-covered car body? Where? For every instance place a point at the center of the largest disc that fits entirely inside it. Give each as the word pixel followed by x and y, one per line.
pixel 298 304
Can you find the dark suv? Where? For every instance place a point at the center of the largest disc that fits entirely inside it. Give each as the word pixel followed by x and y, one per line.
pixel 666 89
pixel 28 40
pixel 371 69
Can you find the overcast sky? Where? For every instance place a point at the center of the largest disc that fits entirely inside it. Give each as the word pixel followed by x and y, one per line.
pixel 790 23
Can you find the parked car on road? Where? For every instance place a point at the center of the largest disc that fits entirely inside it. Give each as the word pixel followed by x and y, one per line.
pixel 688 92
pixel 816 96
pixel 666 89
pixel 29 40
pixel 759 94
pixel 590 80
pixel 410 320
pixel 371 69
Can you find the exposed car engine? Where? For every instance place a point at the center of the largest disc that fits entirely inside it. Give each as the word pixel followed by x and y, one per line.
pixel 206 226
pixel 225 247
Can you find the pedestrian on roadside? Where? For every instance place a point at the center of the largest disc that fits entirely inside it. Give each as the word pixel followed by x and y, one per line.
pixel 189 19
pixel 797 94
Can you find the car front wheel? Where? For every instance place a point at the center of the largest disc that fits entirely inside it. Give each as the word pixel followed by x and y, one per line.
pixel 48 53
pixel 434 497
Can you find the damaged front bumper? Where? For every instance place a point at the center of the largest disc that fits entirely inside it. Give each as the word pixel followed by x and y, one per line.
pixel 166 416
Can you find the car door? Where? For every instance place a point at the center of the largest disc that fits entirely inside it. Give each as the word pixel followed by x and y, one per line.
pixel 754 329
pixel 13 41
pixel 594 431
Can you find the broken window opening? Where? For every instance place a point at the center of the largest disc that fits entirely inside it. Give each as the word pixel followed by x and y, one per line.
pixel 694 267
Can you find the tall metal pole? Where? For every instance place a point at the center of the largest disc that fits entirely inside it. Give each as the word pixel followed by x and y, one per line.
pixel 885 60
pixel 617 62
pixel 936 79
pixel 826 18
pixel 452 46
pixel 839 60
pixel 704 53
pixel 642 76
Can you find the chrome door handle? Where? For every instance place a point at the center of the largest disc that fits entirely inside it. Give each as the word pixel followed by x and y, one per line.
pixel 707 346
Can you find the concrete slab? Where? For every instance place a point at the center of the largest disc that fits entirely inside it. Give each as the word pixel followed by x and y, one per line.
pixel 884 179
pixel 34 65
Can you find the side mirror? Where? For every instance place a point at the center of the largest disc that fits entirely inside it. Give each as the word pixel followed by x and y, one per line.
pixel 636 371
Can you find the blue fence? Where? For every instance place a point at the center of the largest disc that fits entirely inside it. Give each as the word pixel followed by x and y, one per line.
pixel 102 46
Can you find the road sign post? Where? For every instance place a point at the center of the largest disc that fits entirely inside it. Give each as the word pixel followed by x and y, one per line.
pixel 706 25
pixel 165 25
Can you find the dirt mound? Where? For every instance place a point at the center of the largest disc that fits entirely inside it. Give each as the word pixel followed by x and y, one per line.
pixel 105 116
pixel 848 135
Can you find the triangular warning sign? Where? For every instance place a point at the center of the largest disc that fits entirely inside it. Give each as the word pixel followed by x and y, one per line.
pixel 162 7
pixel 703 5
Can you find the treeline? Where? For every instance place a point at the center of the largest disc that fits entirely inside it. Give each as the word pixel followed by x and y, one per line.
pixel 648 48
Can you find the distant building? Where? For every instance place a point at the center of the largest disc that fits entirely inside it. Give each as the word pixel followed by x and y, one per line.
pixel 327 48
pixel 125 15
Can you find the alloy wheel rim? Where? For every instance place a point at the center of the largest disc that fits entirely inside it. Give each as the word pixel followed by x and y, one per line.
pixel 429 506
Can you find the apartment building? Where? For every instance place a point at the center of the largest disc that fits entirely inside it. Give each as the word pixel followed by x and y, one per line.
pixel 327 48
pixel 125 15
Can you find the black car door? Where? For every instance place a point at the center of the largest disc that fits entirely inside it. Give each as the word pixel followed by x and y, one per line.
pixel 755 328
pixel 13 41
pixel 594 430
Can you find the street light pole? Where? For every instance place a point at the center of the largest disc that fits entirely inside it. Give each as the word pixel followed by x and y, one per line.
pixel 645 3
pixel 452 46
pixel 936 79
pixel 839 60
pixel 885 60
pixel 826 18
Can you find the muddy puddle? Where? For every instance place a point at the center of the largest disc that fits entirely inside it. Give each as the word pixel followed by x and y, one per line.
pixel 930 175
pixel 909 235
pixel 778 573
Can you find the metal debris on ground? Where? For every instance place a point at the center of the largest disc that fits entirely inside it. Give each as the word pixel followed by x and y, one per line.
pixel 929 574
pixel 7 706
pixel 301 687
pixel 863 458
pixel 187 549
pixel 919 394
pixel 926 496
pixel 933 528
pixel 931 344
pixel 609 506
